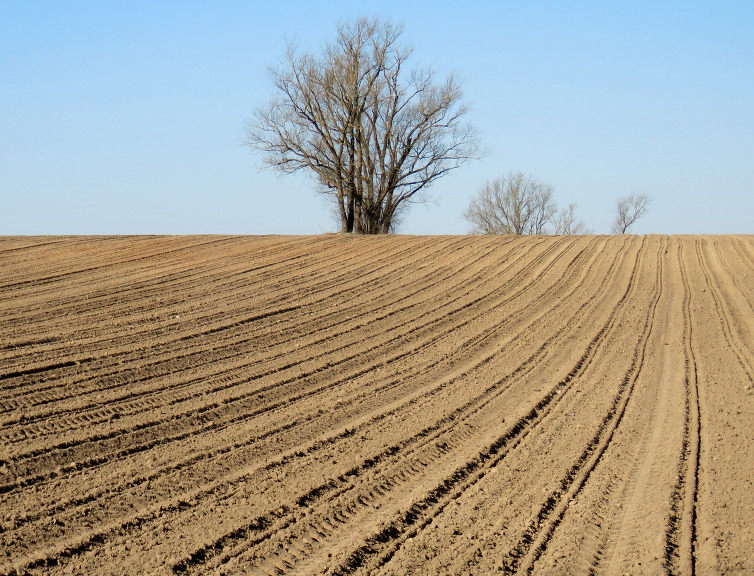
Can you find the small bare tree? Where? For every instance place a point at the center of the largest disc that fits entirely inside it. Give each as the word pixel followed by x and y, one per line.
pixel 567 222
pixel 628 210
pixel 513 204
pixel 373 135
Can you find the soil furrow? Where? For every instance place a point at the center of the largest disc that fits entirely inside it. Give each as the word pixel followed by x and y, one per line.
pixel 199 337
pixel 742 353
pixel 215 302
pixel 137 448
pixel 384 406
pixel 245 367
pixel 356 357
pixel 681 533
pixel 522 557
pixel 52 278
pixel 170 348
pixel 519 431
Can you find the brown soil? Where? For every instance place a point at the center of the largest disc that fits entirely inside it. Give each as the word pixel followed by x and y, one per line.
pixel 389 406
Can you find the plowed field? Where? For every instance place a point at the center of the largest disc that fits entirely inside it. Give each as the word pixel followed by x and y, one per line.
pixel 388 406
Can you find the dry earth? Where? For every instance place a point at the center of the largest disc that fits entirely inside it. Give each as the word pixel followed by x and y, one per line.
pixel 388 406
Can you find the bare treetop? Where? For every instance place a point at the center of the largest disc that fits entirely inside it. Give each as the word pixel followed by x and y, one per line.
pixel 371 133
pixel 566 222
pixel 513 204
pixel 629 210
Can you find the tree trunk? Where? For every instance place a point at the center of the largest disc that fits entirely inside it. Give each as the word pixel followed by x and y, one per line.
pixel 342 209
pixel 349 223
pixel 358 224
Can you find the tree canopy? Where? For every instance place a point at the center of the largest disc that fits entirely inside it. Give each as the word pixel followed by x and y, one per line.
pixel 372 134
pixel 628 210
pixel 512 204
pixel 519 204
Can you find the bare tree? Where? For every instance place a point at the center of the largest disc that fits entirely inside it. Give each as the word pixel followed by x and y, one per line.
pixel 628 210
pixel 513 204
pixel 372 134
pixel 567 222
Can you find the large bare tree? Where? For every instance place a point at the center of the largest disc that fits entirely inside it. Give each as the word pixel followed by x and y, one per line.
pixel 628 210
pixel 513 204
pixel 372 134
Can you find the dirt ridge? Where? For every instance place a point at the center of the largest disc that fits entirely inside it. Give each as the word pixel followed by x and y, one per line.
pixel 385 406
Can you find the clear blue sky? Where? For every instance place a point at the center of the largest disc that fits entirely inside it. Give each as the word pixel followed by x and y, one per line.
pixel 128 117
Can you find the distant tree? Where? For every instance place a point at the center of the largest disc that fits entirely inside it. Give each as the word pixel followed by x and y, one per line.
pixel 372 134
pixel 628 210
pixel 513 204
pixel 566 222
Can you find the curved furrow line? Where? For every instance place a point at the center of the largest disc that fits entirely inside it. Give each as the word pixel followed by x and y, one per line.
pixel 279 261
pixel 602 293
pixel 368 464
pixel 594 549
pixel 521 558
pixel 278 287
pixel 232 317
pixel 680 537
pixel 131 334
pixel 744 289
pixel 32 342
pixel 614 509
pixel 64 506
pixel 169 345
pixel 605 525
pixel 216 405
pixel 472 408
pixel 76 338
pixel 350 497
pixel 612 319
pixel 4 289
pixel 744 249
pixel 214 303
pixel 736 296
pixel 234 447
pixel 265 361
pixel 740 351
pixel 128 279
pixel 111 306
pixel 380 547
pixel 158 262
pixel 608 522
pixel 213 296
pixel 353 319
pixel 60 260
pixel 4 240
pixel 552 417
pixel 273 370
pixel 178 422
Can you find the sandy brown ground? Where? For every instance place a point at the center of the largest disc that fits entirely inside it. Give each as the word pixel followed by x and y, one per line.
pixel 388 406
